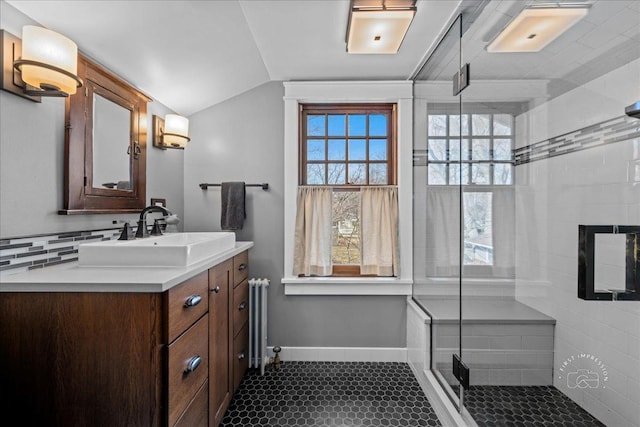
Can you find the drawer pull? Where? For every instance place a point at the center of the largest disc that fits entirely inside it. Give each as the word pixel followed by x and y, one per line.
pixel 242 306
pixel 193 300
pixel 193 364
pixel 216 289
pixel 241 355
pixel 242 266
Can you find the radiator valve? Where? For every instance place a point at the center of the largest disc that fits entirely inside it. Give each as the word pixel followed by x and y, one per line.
pixel 276 359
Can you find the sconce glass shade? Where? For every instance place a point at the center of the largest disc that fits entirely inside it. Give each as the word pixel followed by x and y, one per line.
pixel 47 47
pixel 176 130
pixel 378 31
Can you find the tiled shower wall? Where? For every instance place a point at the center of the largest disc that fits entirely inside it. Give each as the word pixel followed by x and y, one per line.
pixel 595 183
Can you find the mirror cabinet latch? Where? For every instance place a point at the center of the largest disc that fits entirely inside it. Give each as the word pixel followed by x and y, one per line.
pixel 136 150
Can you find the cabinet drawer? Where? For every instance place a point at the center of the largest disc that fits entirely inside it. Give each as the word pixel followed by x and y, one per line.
pixel 240 356
pixel 187 302
pixel 240 306
pixel 240 267
pixel 185 374
pixel 197 413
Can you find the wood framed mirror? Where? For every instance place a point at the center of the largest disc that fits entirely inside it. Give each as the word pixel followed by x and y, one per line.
pixel 105 144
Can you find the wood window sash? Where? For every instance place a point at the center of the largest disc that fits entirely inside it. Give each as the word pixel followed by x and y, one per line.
pixel 324 109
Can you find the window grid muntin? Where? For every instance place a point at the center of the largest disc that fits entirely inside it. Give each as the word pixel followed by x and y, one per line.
pixel 386 110
pixel 467 135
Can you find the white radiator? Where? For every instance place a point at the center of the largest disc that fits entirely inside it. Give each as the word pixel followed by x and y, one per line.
pixel 258 323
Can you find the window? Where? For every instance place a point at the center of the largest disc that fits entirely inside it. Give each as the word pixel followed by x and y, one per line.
pixel 478 228
pixel 474 150
pixel 346 147
pixel 470 149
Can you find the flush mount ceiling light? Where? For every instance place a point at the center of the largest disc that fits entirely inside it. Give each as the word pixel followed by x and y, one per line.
pixel 170 132
pixel 378 26
pixel 537 26
pixel 43 63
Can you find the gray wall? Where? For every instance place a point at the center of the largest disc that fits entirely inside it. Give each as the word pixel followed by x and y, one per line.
pixel 32 161
pixel 241 139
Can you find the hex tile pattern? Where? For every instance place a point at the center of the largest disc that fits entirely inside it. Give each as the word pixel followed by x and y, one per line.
pixel 525 406
pixel 331 394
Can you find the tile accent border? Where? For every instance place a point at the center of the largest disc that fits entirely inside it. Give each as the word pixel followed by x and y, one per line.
pixel 608 132
pixel 21 254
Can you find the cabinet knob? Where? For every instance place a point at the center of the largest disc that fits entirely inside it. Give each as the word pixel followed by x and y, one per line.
pixel 242 306
pixel 216 289
pixel 193 364
pixel 242 266
pixel 241 355
pixel 193 300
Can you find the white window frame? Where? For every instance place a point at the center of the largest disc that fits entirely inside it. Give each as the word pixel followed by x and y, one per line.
pixel 398 92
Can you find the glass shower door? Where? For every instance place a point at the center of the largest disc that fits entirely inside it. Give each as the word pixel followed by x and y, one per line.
pixel 439 170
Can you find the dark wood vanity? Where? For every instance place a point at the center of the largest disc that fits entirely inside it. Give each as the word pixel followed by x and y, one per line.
pixel 127 358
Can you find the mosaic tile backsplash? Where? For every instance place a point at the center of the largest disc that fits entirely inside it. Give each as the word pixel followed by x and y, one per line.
pixel 619 129
pixel 22 254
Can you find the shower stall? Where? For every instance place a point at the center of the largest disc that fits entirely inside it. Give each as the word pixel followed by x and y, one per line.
pixel 527 217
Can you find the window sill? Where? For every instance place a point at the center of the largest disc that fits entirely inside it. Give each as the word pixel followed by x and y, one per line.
pixel 346 286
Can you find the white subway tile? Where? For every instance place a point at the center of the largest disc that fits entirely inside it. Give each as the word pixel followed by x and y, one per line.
pixel 505 376
pixel 536 377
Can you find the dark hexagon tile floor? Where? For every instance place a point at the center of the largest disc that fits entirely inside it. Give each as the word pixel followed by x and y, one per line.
pixel 331 394
pixel 533 406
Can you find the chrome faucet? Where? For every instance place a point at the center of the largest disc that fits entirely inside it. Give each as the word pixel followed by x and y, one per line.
pixel 142 222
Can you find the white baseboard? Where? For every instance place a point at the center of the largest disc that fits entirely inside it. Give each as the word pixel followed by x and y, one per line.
pixel 342 354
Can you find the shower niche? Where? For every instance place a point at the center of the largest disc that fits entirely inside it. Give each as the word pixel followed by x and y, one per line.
pixel 609 262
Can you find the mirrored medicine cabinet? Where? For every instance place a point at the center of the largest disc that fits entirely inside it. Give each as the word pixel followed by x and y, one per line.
pixel 105 144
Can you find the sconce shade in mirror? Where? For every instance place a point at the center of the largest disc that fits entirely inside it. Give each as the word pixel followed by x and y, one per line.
pixel 170 132
pixel 49 62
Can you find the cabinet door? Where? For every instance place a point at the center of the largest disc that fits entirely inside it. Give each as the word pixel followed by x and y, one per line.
pixel 220 333
pixel 240 356
pixel 240 267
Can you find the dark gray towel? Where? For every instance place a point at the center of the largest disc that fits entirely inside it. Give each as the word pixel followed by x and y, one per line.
pixel 233 206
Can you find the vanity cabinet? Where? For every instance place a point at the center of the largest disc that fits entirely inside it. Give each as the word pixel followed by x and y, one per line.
pixel 125 358
pixel 220 367
pixel 240 318
pixel 188 353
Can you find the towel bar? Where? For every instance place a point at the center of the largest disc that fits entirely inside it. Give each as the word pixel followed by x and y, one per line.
pixel 264 185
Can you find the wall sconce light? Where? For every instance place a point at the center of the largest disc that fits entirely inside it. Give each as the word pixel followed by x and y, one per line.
pixel 537 26
pixel 43 63
pixel 170 132
pixel 378 28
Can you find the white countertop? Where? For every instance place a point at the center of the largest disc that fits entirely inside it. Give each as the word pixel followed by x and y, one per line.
pixel 75 278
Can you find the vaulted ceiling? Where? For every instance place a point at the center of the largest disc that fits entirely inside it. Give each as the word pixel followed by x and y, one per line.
pixel 190 55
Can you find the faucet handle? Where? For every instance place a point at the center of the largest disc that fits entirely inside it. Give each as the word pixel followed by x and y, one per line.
pixel 156 230
pixel 126 232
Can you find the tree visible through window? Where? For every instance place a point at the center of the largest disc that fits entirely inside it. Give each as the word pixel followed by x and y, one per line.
pixel 347 147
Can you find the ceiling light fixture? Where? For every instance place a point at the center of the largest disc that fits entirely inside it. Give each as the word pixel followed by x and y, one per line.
pixel 537 26
pixel 378 26
pixel 43 63
pixel 170 132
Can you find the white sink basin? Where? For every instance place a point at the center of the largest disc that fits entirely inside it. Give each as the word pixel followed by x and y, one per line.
pixel 169 250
